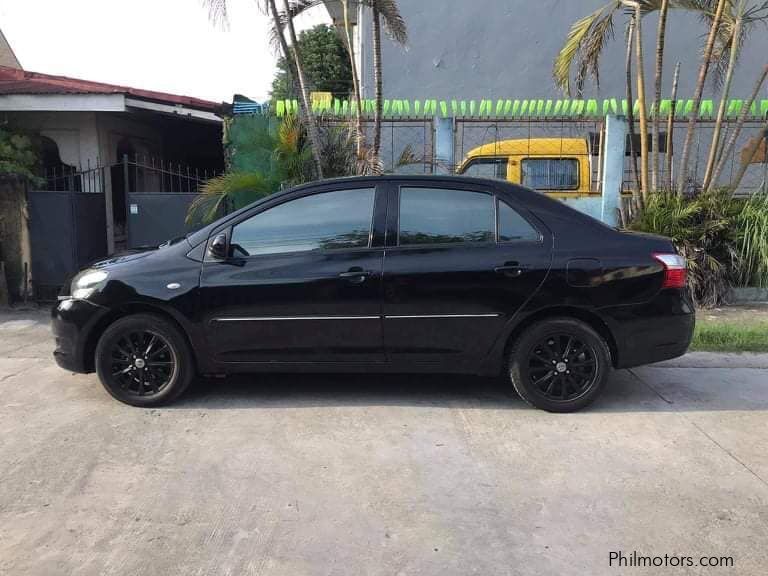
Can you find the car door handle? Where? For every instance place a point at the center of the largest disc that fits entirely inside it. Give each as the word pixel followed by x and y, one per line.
pixel 510 270
pixel 355 275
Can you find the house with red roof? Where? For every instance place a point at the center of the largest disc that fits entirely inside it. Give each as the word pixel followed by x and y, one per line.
pixel 119 166
pixel 113 139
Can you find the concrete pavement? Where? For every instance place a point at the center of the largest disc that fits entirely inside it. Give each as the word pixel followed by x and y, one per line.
pixel 284 475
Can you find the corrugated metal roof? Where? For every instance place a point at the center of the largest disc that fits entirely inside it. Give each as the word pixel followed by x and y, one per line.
pixel 14 81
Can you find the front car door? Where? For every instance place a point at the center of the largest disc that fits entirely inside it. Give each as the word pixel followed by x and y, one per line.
pixel 460 262
pixel 303 281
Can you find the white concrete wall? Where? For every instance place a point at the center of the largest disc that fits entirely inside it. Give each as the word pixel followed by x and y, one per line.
pixel 74 132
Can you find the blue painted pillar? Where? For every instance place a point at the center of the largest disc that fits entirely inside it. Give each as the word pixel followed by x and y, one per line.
pixel 443 145
pixel 613 167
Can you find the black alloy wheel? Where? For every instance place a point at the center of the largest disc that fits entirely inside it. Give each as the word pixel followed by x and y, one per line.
pixel 144 360
pixel 562 367
pixel 559 365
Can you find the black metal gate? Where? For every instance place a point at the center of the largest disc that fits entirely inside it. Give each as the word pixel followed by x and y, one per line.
pixel 67 230
pixel 154 196
pixel 154 217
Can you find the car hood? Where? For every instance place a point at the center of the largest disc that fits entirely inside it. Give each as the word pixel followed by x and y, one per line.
pixel 124 257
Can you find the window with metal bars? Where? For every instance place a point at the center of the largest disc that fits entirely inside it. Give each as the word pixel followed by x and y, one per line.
pixel 551 173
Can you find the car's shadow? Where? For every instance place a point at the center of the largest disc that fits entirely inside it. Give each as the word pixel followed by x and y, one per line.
pixel 650 391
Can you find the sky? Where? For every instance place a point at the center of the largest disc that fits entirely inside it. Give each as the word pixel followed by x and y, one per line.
pixel 164 45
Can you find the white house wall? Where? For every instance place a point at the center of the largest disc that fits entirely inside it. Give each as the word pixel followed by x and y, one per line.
pixel 75 134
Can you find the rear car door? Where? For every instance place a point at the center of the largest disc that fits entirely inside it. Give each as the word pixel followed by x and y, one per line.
pixel 460 262
pixel 303 283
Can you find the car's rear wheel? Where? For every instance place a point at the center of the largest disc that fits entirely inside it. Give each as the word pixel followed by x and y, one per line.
pixel 144 360
pixel 559 365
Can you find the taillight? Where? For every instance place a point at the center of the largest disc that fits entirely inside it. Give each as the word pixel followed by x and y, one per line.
pixel 675 270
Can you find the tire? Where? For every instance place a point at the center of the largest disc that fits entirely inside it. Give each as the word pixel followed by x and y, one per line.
pixel 144 360
pixel 559 365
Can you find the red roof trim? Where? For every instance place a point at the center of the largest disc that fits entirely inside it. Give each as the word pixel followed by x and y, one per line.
pixel 14 81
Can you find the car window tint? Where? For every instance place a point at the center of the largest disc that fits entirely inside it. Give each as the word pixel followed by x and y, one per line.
pixel 487 168
pixel 551 173
pixel 330 220
pixel 513 227
pixel 440 216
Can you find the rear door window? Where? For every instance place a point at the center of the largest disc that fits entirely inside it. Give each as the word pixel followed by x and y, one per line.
pixel 513 227
pixel 445 216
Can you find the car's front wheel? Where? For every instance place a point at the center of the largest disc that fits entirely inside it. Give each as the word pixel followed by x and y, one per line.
pixel 144 360
pixel 559 365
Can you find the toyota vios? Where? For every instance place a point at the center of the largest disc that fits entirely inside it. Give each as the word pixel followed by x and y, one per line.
pixel 383 274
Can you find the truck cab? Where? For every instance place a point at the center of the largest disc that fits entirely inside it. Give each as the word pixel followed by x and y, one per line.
pixel 560 167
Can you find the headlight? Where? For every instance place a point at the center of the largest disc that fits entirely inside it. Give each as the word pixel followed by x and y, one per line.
pixel 84 285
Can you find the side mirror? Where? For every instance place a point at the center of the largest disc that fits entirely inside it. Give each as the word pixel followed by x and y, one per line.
pixel 219 247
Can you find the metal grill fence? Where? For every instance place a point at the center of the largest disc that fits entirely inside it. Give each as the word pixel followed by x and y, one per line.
pixel 472 133
pixel 407 145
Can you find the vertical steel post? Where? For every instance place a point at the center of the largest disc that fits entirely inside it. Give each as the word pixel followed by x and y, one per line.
pixel 443 151
pixel 613 167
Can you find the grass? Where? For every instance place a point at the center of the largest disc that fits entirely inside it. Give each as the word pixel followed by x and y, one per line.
pixel 734 335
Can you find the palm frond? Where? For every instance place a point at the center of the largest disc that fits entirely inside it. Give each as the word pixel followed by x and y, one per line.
pixel 394 23
pixel 237 189
pixel 295 7
pixel 217 12
pixel 585 38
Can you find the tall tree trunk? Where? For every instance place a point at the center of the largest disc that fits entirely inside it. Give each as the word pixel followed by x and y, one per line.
pixel 682 175
pixel 306 107
pixel 642 101
pixel 714 147
pixel 377 80
pixel 671 130
pixel 355 80
pixel 739 125
pixel 638 22
pixel 660 41
pixel 631 114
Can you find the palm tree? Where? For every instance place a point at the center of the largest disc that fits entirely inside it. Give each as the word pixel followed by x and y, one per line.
pixel 631 113
pixel 389 12
pixel 638 18
pixel 217 11
pixel 658 74
pixel 588 37
pixel 714 30
pixel 312 130
pixel 715 144
pixel 735 30
pixel 737 131
pixel 355 78
pixel 671 129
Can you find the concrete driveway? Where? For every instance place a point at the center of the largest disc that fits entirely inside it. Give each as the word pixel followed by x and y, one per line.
pixel 287 475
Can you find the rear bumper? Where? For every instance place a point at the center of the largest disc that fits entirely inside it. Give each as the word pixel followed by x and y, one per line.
pixel 654 331
pixel 72 321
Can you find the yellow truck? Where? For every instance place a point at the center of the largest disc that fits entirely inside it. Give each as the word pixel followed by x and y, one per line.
pixel 560 167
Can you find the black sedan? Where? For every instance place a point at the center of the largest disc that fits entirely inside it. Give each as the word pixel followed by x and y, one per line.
pixel 385 274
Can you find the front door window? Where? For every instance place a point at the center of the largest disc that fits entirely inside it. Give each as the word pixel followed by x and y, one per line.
pixel 329 221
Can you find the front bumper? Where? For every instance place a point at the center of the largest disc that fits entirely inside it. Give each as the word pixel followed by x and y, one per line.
pixel 72 323
pixel 654 331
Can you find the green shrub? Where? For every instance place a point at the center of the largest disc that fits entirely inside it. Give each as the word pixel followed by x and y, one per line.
pixel 703 230
pixel 752 225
